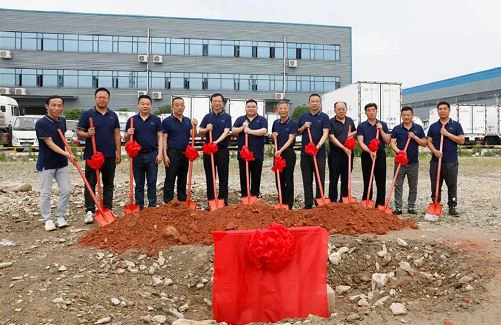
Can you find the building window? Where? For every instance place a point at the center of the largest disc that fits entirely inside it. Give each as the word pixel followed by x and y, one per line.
pixel 186 83
pixel 205 49
pixel 236 51
pixel 254 51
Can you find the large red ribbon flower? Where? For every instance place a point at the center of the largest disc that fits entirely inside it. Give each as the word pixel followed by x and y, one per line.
pixel 132 148
pixel 311 149
pixel 246 154
pixel 96 161
pixel 374 145
pixel 209 148
pixel 350 143
pixel 279 164
pixel 401 158
pixel 191 153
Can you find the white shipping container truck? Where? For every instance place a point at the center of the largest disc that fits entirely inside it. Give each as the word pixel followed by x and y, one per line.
pixel 387 96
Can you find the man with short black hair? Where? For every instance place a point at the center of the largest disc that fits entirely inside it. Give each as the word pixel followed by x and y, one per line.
pixel 52 163
pixel 399 136
pixel 338 153
pixel 453 135
pixel 147 133
pixel 177 132
pixel 255 127
pixel 319 125
pixel 366 132
pixel 220 123
pixel 108 141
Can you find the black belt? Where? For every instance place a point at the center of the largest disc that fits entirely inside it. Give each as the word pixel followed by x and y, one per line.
pixel 145 151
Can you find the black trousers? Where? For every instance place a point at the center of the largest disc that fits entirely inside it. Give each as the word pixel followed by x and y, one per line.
pixel 449 174
pixel 221 166
pixel 255 169
pixel 178 167
pixel 379 175
pixel 338 167
pixel 287 177
pixel 107 177
pixel 308 173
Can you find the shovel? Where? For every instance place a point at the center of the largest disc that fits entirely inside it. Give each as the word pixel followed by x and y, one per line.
pixel 248 200
pixel 189 202
pixel 215 203
pixel 103 217
pixel 434 208
pixel 368 203
pixel 349 198
pixel 322 200
pixel 131 207
pixel 385 207
pixel 94 150
pixel 280 205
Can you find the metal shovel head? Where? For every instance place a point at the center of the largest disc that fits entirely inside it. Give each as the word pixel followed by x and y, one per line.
pixel 216 204
pixel 385 209
pixel 131 208
pixel 349 199
pixel 434 211
pixel 367 203
pixel 191 204
pixel 321 201
pixel 107 215
pixel 248 200
pixel 281 206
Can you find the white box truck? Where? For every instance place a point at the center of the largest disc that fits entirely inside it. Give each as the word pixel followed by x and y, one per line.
pixel 9 111
pixel 387 96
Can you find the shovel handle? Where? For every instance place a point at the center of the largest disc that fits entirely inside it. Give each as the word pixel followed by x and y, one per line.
pixel 131 167
pixel 92 137
pixel 213 172
pixel 190 170
pixel 317 173
pixel 392 187
pixel 372 171
pixel 278 175
pixel 437 185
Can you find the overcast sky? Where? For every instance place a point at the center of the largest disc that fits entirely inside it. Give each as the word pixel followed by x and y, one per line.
pixel 411 41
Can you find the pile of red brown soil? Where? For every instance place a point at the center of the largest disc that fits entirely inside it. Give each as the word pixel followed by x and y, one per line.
pixel 156 228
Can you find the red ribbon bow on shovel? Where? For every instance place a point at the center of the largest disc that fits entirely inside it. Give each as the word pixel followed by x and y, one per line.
pixel 374 145
pixel 209 148
pixel 191 153
pixel 349 143
pixel 311 149
pixel 132 148
pixel 401 158
pixel 279 164
pixel 246 154
pixel 96 161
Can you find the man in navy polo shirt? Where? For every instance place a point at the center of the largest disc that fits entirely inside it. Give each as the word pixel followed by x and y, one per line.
pixel 453 135
pixel 285 130
pixel 108 141
pixel 338 153
pixel 366 131
pixel 177 132
pixel 319 125
pixel 399 136
pixel 256 127
pixel 220 124
pixel 147 132
pixel 52 162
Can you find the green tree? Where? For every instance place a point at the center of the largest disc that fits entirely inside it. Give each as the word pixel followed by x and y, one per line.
pixel 72 113
pixel 122 110
pixel 165 109
pixel 299 110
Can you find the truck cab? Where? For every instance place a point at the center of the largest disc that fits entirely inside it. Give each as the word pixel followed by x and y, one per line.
pixel 9 111
pixel 23 131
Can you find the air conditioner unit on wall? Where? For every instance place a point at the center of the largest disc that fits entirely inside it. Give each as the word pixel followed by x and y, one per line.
pixel 5 54
pixel 158 59
pixel 279 95
pixel 292 63
pixel 20 91
pixel 4 91
pixel 157 95
pixel 143 58
pixel 141 93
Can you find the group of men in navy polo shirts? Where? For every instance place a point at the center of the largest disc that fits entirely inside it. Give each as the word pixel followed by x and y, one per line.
pixel 165 141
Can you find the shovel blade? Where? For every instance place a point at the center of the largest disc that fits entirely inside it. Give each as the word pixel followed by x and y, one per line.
pixel 385 209
pixel 281 206
pixel 367 203
pixel 435 209
pixel 216 204
pixel 248 200
pixel 191 204
pixel 105 217
pixel 322 200
pixel 131 208
pixel 348 199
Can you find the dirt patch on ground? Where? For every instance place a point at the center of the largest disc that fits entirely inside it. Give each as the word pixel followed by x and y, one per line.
pixel 154 229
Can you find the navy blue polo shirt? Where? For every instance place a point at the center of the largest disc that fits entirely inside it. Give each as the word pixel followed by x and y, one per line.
pixel 145 131
pixel 369 132
pixel 340 132
pixel 284 129
pixel 319 122
pixel 219 121
pixel 47 128
pixel 400 133
pixel 450 148
pixel 178 132
pixel 256 143
pixel 105 125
